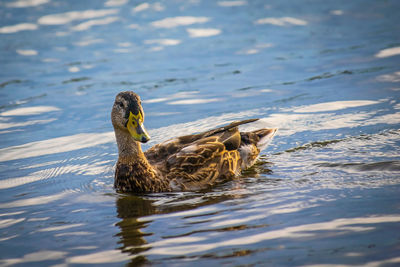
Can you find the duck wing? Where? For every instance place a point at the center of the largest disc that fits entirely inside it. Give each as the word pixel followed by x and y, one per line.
pixel 228 135
pixel 200 164
pixel 196 161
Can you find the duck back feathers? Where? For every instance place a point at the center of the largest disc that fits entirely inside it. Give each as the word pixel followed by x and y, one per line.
pixel 196 161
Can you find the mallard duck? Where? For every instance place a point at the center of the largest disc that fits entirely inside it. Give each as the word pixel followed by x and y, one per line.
pixel 186 163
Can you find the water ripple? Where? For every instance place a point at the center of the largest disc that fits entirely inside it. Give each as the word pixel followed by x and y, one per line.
pixel 386 166
pixel 55 145
pixel 64 18
pixel 18 28
pixel 173 22
pixel 33 201
pixel 190 245
pixel 30 258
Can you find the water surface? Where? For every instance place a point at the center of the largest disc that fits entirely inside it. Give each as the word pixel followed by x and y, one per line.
pixel 326 191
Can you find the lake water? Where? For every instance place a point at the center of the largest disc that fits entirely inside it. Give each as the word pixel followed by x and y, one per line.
pixel 325 192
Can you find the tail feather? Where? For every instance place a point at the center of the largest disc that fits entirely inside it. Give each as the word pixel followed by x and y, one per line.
pixel 252 143
pixel 265 136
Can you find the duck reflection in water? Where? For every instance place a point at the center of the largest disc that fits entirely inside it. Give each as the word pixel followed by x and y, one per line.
pixel 129 209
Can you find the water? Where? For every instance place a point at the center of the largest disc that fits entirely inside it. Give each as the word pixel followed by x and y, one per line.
pixel 327 74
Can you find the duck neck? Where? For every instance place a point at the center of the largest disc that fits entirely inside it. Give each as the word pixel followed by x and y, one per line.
pixel 133 172
pixel 129 150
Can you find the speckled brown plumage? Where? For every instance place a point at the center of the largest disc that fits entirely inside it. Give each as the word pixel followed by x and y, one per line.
pixel 136 176
pixel 190 162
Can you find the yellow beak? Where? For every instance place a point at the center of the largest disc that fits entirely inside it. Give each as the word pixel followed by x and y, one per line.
pixel 136 128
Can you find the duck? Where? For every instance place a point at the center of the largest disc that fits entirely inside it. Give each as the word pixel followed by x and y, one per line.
pixel 184 163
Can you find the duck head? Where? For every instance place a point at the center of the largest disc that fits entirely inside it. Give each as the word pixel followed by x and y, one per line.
pixel 127 115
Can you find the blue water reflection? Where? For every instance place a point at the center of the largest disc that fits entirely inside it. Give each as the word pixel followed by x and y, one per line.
pixel 327 74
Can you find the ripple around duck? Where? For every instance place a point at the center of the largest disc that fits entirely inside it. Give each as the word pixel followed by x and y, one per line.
pixel 55 145
pixel 60 173
pixel 186 245
pixel 389 166
pixel 380 139
pixel 26 202
pixel 372 160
